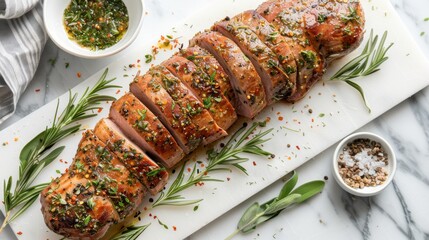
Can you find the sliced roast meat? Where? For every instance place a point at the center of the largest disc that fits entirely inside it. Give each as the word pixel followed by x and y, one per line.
pixel 206 127
pixel 335 26
pixel 273 76
pixel 269 35
pixel 95 192
pixel 175 110
pixel 71 208
pixel 211 66
pixel 205 88
pixel 135 160
pixel 244 78
pixel 287 17
pixel 146 130
pixel 149 89
pixel 110 178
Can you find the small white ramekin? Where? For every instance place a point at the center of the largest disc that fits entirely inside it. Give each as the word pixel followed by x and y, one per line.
pixel 390 168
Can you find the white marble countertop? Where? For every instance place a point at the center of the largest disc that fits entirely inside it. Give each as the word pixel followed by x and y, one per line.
pixel 400 212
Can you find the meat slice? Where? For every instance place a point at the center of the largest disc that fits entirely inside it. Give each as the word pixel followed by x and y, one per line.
pixel 205 88
pixel 287 17
pixel 146 130
pixel 181 112
pixel 110 178
pixel 269 35
pixel 211 66
pixel 135 160
pixel 274 77
pixel 244 79
pixel 71 208
pixel 207 129
pixel 95 192
pixel 335 26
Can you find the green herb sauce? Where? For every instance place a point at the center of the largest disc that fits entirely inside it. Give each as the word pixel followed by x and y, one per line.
pixel 96 24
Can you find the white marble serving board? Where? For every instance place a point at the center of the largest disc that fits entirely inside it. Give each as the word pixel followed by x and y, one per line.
pixel 337 110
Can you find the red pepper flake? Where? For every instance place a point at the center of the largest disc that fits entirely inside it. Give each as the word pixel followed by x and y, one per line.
pixel 280 118
pixel 37 90
pixel 154 217
pixel 268 119
pixel 117 92
pixel 138 60
pixel 200 184
pixel 174 228
pixel 15 139
pixel 254 163
pixel 19 233
pixel 312 120
pixel 66 162
pixel 278 113
pixel 202 165
pixel 145 208
pixel 189 169
pixel 228 179
pixel 289 158
pixel 297 147
pixel 150 214
pixel 61 161
pixel 78 74
pixel 67 170
pixel 99 110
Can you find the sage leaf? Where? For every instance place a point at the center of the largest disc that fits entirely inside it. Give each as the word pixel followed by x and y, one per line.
pixel 288 186
pixel 249 215
pixel 283 203
pixel 308 190
pixel 257 214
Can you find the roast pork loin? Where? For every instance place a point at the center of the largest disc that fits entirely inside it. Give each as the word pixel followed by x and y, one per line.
pixel 145 130
pixel 147 171
pixel 205 88
pixel 245 80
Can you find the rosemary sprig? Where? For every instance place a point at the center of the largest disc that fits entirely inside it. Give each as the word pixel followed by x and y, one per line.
pixel 218 160
pixel 368 62
pixel 257 214
pixel 130 233
pixel 35 155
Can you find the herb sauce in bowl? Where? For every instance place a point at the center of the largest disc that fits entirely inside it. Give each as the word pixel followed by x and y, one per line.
pixel 96 24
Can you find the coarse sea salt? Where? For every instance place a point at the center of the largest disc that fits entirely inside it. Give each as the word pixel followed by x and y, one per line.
pixel 365 162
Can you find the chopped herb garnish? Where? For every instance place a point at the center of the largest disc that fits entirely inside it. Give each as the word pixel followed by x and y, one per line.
pixel 155 172
pixel 321 18
pixel 96 24
pixel 148 57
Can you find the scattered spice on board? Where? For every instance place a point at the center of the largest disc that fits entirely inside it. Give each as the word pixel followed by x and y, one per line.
pixel 362 164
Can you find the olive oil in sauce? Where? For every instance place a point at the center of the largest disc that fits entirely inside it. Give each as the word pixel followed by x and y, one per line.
pixel 96 24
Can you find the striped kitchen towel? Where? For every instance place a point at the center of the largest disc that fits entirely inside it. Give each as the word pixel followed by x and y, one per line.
pixel 22 39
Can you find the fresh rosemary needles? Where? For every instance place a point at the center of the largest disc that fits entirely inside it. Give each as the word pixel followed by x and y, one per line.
pixel 218 160
pixel 36 154
pixel 368 62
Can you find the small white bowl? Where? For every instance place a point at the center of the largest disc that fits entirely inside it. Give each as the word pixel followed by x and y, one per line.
pixel 53 11
pixel 390 168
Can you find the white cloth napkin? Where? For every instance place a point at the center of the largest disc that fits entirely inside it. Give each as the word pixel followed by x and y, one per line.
pixel 22 39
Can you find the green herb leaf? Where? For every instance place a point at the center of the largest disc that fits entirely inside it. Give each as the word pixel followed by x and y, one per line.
pixel 308 190
pixel 130 233
pixel 288 186
pixel 257 214
pixel 218 160
pixel 368 62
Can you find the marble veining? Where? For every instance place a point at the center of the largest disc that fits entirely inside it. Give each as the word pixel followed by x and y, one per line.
pixel 400 212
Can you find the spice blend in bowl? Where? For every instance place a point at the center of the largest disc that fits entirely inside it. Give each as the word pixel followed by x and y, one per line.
pixel 364 164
